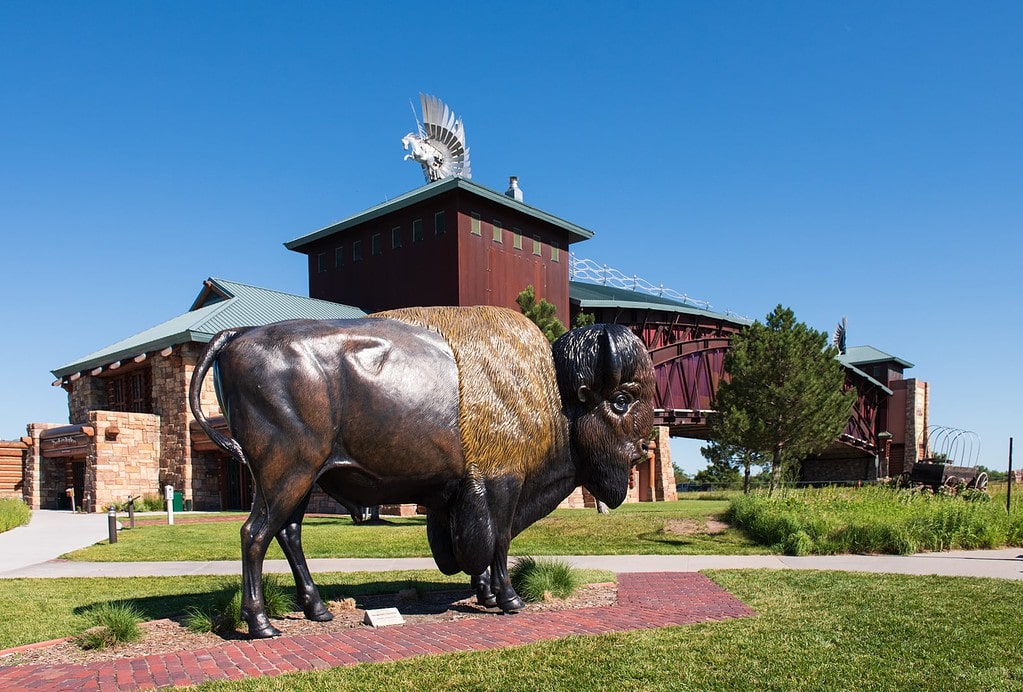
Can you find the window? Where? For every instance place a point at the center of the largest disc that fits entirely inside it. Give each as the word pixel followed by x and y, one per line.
pixel 555 253
pixel 396 237
pixel 498 232
pixel 321 262
pixel 339 256
pixel 476 224
pixel 131 392
pixel 376 244
pixel 417 231
pixel 536 245
pixel 357 251
pixel 438 223
pixel 517 238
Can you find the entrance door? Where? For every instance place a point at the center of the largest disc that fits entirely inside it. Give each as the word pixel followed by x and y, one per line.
pixel 235 486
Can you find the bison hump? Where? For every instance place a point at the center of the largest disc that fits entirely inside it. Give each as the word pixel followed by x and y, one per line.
pixel 509 414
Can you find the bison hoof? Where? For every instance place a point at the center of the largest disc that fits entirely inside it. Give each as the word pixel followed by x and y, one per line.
pixel 266 632
pixel 318 613
pixel 487 601
pixel 512 606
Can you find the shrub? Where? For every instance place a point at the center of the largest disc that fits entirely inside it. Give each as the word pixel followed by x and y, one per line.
pixel 540 579
pixel 112 623
pixel 13 513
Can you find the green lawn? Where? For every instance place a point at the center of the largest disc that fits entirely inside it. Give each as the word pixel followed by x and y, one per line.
pixel 640 528
pixel 815 631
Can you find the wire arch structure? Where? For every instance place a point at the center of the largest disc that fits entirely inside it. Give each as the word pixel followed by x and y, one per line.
pixel 958 446
pixel 582 269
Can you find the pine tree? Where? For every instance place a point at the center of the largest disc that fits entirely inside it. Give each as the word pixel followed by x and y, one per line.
pixel 543 314
pixel 785 395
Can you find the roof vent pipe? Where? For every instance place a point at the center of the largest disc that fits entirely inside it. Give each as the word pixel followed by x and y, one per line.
pixel 513 190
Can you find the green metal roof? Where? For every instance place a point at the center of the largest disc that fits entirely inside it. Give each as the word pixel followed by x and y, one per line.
pixel 868 355
pixel 220 305
pixel 587 295
pixel 575 233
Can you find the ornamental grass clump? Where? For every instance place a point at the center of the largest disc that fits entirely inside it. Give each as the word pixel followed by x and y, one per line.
pixel 13 513
pixel 225 616
pixel 540 579
pixel 112 624
pixel 874 520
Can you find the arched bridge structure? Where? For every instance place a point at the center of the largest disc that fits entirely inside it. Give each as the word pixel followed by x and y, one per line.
pixel 687 345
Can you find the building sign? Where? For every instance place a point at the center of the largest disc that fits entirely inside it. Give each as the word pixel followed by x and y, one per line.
pixel 67 442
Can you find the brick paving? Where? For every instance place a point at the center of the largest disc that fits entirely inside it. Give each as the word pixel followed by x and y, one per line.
pixel 645 601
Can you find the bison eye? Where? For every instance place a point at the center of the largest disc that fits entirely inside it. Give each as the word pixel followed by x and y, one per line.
pixel 620 403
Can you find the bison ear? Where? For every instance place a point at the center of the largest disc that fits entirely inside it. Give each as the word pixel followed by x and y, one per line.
pixel 587 395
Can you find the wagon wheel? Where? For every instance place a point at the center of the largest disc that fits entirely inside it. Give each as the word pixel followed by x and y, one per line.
pixel 980 482
pixel 952 482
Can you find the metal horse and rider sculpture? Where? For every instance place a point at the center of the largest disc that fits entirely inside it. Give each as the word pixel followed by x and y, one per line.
pixel 466 411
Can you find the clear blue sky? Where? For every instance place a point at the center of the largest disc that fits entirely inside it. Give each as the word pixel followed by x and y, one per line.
pixel 862 159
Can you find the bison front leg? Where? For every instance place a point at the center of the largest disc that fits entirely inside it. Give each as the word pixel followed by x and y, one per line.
pixel 480 584
pixel 500 583
pixel 290 540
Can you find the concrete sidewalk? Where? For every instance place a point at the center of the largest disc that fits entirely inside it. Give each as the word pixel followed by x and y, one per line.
pixel 1006 563
pixel 49 534
pixel 31 552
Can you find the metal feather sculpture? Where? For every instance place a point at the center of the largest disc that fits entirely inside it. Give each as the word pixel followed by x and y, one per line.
pixel 439 146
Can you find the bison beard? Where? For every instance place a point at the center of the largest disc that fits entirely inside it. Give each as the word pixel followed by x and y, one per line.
pixel 457 409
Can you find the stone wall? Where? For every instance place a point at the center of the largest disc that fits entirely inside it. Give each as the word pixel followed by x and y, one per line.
pixel 85 394
pixel 125 459
pixel 664 488
pixel 43 482
pixel 917 421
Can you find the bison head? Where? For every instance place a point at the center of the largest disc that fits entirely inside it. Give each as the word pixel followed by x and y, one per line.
pixel 606 382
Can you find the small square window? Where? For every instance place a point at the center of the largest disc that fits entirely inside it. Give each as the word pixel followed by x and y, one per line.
pixel 339 256
pixel 438 223
pixel 476 224
pixel 417 231
pixel 396 237
pixel 357 251
pixel 321 262
pixel 517 238
pixel 498 232
pixel 536 245
pixel 376 244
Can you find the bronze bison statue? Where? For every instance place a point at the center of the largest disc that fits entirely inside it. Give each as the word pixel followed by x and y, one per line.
pixel 466 411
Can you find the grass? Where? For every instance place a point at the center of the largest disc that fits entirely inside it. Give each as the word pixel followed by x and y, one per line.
pixel 632 529
pixel 226 616
pixel 34 610
pixel 875 520
pixel 814 631
pixel 13 513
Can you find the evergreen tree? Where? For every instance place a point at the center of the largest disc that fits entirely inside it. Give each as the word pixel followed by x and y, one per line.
pixel 543 314
pixel 785 395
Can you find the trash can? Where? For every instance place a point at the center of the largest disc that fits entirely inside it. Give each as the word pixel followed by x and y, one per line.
pixel 178 502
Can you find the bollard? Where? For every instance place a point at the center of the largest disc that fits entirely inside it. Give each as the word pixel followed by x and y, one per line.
pixel 112 525
pixel 131 513
pixel 168 494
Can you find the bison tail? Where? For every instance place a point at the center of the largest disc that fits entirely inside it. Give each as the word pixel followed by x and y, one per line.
pixel 207 360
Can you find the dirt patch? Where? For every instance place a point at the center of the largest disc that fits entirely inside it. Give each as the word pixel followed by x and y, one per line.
pixel 692 527
pixel 169 635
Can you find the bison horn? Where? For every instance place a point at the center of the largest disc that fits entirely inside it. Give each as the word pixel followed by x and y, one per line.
pixel 612 361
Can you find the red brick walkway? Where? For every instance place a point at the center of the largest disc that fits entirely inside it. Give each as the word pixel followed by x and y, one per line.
pixel 645 601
